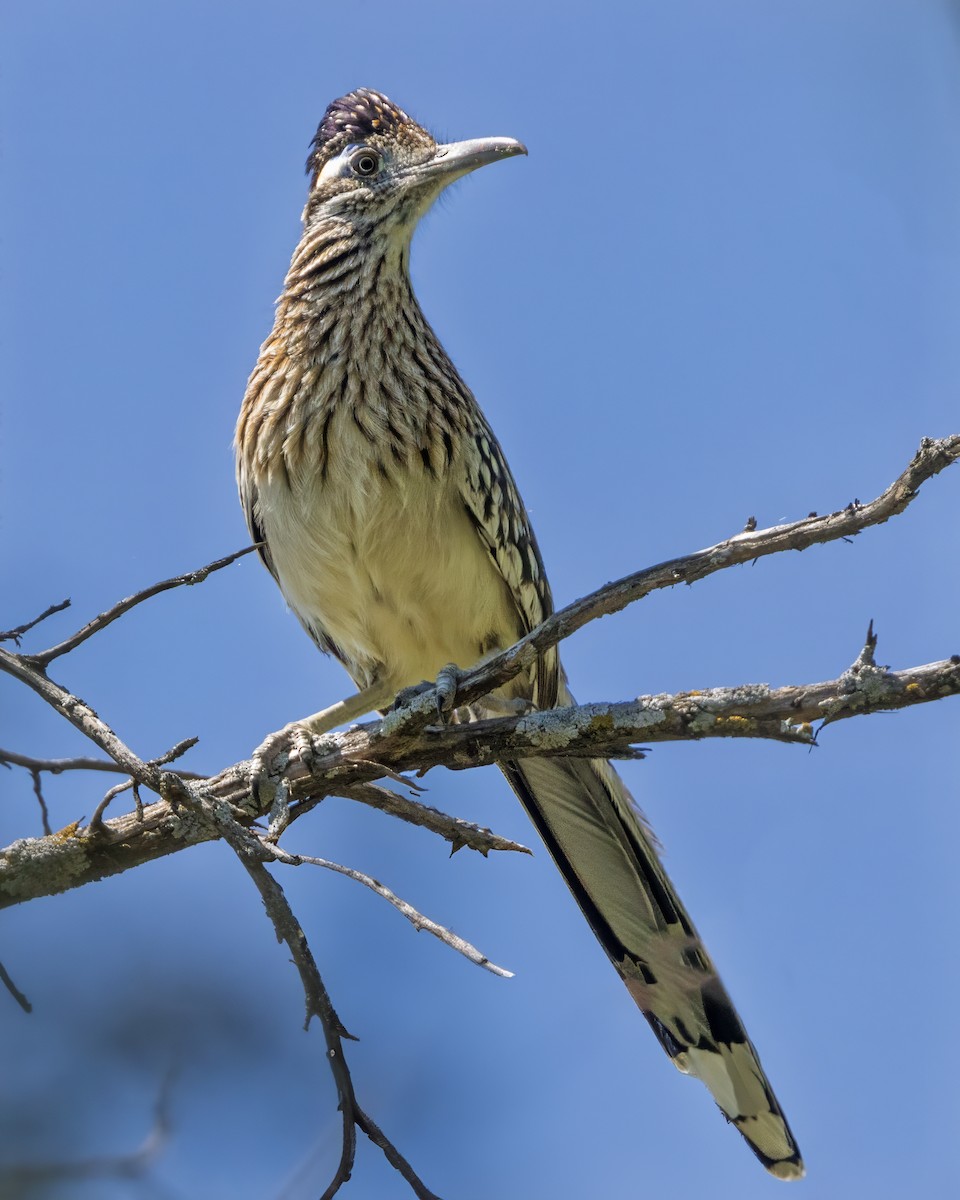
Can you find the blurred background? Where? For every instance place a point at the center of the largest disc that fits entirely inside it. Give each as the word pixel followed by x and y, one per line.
pixel 725 283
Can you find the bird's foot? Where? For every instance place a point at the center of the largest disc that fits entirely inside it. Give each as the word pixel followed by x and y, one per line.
pixel 270 767
pixel 446 686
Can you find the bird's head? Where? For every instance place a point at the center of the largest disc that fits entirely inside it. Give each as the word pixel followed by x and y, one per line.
pixel 375 167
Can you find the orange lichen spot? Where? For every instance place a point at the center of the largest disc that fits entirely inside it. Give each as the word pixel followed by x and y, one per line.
pixel 912 687
pixel 734 723
pixel 67 832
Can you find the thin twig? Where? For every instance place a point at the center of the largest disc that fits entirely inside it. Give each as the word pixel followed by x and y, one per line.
pixel 392 1155
pixel 96 821
pixel 38 792
pixel 14 635
pixel 56 766
pixel 45 657
pixel 455 830
pixel 416 919
pixel 14 990
pixel 175 752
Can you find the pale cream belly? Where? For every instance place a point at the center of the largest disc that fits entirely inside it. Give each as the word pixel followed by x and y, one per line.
pixel 397 579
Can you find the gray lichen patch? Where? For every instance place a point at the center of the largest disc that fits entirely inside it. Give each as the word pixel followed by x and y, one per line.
pixel 703 711
pixel 41 866
pixel 556 729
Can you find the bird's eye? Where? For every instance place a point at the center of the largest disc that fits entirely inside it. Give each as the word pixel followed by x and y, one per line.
pixel 365 163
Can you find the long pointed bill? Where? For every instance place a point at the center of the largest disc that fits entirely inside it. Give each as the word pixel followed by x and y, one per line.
pixel 454 159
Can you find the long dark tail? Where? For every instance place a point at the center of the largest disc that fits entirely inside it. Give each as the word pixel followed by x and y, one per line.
pixel 597 838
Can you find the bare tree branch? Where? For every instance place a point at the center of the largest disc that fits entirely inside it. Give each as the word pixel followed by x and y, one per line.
pixel 14 990
pixel 23 668
pixel 14 635
pixel 416 919
pixel 56 766
pixel 45 657
pixel 458 832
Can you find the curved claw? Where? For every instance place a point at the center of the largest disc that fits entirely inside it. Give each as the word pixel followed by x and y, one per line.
pixel 448 684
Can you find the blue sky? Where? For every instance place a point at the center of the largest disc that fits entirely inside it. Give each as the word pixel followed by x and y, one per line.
pixel 726 282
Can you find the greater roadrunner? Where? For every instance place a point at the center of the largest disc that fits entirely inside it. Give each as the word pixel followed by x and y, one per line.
pixel 389 517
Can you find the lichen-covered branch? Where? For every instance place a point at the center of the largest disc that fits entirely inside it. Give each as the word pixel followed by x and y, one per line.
pixel 347 763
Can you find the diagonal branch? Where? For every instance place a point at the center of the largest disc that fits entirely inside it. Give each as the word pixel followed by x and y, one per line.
pixel 14 635
pixel 931 458
pixel 416 918
pixel 45 657
pixel 80 715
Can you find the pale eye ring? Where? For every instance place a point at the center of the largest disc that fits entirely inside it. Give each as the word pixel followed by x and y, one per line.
pixel 365 163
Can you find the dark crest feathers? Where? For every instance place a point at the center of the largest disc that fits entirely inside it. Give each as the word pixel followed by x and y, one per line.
pixel 354 118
